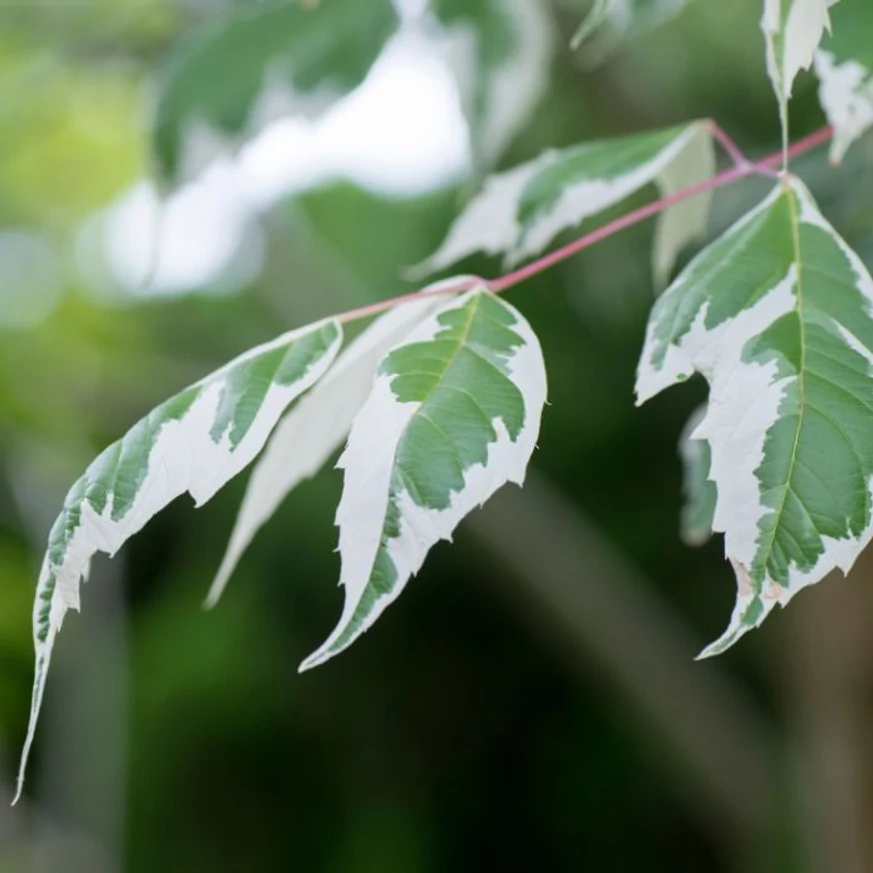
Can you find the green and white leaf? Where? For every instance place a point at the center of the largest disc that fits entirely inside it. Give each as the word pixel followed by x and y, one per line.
pixel 614 20
pixel 454 414
pixel 699 490
pixel 521 211
pixel 258 62
pixel 311 432
pixel 500 54
pixel 778 317
pixel 196 442
pixel 792 31
pixel 844 65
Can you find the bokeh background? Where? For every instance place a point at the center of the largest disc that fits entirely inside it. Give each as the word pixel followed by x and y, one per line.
pixel 531 702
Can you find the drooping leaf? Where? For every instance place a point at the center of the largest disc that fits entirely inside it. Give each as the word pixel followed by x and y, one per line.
pixel 522 210
pixel 500 53
pixel 776 315
pixel 844 65
pixel 311 432
pixel 196 442
pixel 616 19
pixel 454 414
pixel 792 31
pixel 258 61
pixel 699 490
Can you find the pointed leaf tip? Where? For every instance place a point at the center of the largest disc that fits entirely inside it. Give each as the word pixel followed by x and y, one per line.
pixel 453 414
pixel 776 315
pixel 195 442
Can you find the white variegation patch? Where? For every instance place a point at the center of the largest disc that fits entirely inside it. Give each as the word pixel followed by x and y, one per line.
pixel 684 222
pixel 846 94
pixel 582 200
pixel 491 223
pixel 369 465
pixel 745 402
pixel 184 456
pixel 309 434
pixel 792 31
pixel 499 98
pixel 202 144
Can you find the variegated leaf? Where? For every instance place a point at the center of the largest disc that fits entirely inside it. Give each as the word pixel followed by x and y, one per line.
pixel 311 432
pixel 195 442
pixel 844 65
pixel 500 53
pixel 259 61
pixel 792 31
pixel 778 317
pixel 454 414
pixel 699 490
pixel 521 211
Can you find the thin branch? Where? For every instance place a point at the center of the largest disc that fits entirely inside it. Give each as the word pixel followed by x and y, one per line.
pixel 734 152
pixel 764 166
pixel 720 180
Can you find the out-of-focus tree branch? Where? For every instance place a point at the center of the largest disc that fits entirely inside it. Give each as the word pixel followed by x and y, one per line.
pixel 827 656
pixel 610 621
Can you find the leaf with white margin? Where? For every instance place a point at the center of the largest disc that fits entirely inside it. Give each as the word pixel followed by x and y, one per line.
pixel 522 210
pixel 196 442
pixel 699 490
pixel 778 317
pixel 258 62
pixel 792 32
pixel 844 66
pixel 500 54
pixel 454 414
pixel 311 432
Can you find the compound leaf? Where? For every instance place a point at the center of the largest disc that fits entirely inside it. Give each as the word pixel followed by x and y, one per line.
pixel 776 315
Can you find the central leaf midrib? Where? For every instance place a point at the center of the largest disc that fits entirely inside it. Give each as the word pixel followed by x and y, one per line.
pixel 392 496
pixel 788 486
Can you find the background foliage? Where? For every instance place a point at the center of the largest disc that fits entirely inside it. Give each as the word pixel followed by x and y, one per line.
pixel 532 704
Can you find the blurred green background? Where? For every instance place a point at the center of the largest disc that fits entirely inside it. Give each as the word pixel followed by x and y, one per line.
pixel 531 702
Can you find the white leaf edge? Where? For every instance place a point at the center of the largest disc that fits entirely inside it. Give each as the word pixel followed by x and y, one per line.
pixel 311 432
pixel 489 222
pixel 717 354
pixel 846 95
pixel 804 28
pixel 368 462
pixel 686 221
pixel 184 457
pixel 512 90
